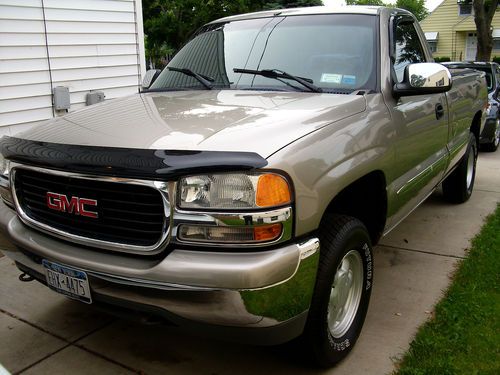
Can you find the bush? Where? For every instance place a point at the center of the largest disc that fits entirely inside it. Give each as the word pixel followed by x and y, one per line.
pixel 442 59
pixel 496 59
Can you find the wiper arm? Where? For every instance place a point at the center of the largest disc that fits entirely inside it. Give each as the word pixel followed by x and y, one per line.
pixel 204 80
pixel 276 74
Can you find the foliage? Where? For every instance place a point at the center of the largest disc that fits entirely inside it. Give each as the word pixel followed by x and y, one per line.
pixel 290 4
pixel 365 2
pixel 463 338
pixel 496 59
pixel 442 59
pixel 168 24
pixel 417 7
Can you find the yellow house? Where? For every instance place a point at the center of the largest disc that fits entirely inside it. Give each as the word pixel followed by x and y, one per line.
pixel 451 31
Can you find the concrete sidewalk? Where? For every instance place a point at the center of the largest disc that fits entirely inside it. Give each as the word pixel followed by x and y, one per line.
pixel 45 333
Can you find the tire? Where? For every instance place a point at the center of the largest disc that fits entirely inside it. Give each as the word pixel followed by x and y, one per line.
pixel 345 251
pixel 458 186
pixel 493 146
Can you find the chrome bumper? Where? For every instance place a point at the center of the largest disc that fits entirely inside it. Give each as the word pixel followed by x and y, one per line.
pixel 263 289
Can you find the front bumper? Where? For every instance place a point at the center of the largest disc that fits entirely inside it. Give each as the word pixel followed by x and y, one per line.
pixel 259 297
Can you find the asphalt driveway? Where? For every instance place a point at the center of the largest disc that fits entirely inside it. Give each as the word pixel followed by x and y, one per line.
pixel 45 333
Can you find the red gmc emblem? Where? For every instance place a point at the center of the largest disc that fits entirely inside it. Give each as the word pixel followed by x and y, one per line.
pixel 75 205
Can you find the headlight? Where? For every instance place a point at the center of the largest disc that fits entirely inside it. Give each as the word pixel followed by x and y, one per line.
pixel 236 208
pixel 4 180
pixel 4 167
pixel 3 164
pixel 233 191
pixel 228 234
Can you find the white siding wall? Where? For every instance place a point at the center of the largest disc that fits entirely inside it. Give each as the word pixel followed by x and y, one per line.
pixel 90 45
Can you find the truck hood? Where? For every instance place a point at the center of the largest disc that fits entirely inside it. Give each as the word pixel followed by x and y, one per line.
pixel 217 120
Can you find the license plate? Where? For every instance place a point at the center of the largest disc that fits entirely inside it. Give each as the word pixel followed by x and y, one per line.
pixel 68 281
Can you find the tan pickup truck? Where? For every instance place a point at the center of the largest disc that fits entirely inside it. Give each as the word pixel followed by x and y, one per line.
pixel 242 192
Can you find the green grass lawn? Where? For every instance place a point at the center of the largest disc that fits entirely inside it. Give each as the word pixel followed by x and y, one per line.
pixel 464 335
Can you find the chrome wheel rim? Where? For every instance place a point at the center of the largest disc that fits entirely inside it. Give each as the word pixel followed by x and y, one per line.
pixel 345 294
pixel 470 168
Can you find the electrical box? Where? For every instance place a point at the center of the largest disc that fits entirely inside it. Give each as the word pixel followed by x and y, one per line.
pixel 60 98
pixel 94 97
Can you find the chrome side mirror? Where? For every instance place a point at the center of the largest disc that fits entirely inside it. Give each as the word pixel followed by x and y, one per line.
pixel 423 78
pixel 150 77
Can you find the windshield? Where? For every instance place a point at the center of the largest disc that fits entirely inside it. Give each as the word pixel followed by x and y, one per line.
pixel 336 52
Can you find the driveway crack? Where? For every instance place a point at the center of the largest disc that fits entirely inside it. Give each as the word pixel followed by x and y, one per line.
pixel 422 251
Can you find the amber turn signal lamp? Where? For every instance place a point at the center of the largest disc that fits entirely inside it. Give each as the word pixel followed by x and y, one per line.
pixel 272 190
pixel 267 232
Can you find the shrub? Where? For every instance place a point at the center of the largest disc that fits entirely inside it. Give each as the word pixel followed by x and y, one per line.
pixel 442 59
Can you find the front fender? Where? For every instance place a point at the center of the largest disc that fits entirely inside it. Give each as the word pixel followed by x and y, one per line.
pixel 325 162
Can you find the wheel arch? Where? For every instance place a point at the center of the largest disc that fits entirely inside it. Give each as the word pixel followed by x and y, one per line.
pixel 366 200
pixel 475 127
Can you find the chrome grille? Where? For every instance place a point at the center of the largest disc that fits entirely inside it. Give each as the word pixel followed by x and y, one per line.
pixel 131 215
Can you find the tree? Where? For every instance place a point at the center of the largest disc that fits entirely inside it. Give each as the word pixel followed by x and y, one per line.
pixel 484 10
pixel 417 7
pixel 365 2
pixel 290 4
pixel 168 24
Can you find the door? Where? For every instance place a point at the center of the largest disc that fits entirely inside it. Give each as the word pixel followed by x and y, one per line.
pixel 471 47
pixel 421 123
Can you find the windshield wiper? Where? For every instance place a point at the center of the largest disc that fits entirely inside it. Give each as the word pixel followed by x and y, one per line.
pixel 277 74
pixel 204 80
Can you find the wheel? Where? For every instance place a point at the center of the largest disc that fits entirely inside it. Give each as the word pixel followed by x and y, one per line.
pixel 342 291
pixel 457 187
pixel 492 147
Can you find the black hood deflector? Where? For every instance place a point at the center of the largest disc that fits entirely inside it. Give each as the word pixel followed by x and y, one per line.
pixel 161 165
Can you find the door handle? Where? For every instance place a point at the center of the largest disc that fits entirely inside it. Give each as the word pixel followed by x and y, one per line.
pixel 439 111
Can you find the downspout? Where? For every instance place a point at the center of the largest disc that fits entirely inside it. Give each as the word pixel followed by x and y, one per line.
pixel 139 42
pixel 48 59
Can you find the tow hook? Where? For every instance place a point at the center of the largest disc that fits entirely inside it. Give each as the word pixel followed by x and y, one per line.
pixel 25 278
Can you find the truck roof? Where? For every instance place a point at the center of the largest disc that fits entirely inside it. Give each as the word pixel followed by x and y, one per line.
pixel 353 9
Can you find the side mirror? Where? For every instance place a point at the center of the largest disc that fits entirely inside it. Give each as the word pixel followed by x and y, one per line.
pixel 150 77
pixel 423 78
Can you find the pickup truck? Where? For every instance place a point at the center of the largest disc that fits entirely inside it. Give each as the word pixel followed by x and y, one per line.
pixel 242 193
pixel 489 138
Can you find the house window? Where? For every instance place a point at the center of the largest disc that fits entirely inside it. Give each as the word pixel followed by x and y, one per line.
pixel 432 39
pixel 464 7
pixel 433 46
pixel 496 44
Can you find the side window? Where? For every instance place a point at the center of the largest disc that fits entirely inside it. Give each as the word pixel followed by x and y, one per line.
pixel 497 71
pixel 408 48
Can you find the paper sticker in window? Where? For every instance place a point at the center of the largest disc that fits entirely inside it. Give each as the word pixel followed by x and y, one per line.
pixel 349 80
pixel 331 78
